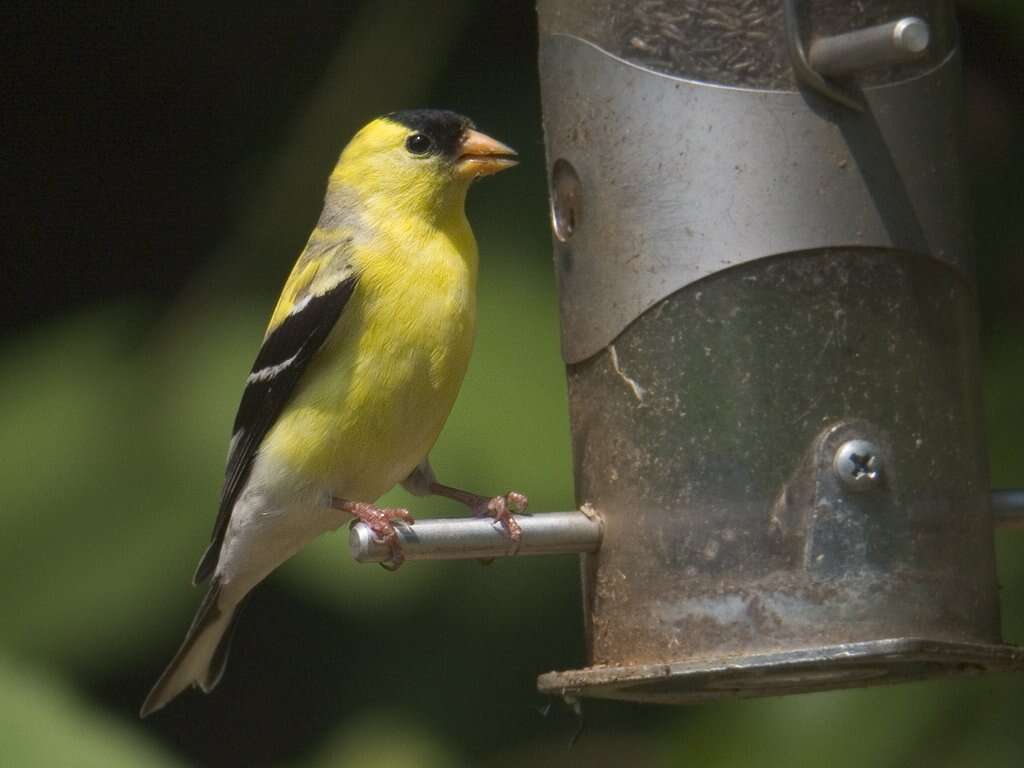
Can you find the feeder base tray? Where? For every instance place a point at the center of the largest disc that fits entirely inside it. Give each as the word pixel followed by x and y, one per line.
pixel 851 665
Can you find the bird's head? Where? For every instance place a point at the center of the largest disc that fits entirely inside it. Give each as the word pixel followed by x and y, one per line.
pixel 419 160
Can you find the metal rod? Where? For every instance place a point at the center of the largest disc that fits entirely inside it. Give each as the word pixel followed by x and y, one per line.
pixel 803 69
pixel 548 533
pixel 1008 507
pixel 894 43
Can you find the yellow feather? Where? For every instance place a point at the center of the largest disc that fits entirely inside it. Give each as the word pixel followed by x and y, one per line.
pixel 374 400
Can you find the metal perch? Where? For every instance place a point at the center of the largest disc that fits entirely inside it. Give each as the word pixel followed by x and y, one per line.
pixel 550 533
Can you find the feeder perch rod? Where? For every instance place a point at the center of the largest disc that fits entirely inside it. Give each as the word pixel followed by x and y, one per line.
pixel 473 538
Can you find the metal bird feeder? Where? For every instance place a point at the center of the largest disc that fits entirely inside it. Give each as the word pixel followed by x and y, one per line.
pixel 770 333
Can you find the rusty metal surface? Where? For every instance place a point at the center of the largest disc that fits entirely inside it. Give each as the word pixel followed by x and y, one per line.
pixel 731 42
pixel 851 665
pixel 705 437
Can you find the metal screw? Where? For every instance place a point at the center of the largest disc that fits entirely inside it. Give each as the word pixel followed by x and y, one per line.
pixel 858 464
pixel 566 205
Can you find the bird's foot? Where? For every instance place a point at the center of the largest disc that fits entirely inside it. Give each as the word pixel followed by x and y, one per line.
pixel 501 508
pixel 381 522
pixel 504 509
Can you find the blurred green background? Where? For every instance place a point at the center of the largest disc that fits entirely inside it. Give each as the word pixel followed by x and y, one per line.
pixel 163 164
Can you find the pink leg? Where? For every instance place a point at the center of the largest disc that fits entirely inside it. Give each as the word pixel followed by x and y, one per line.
pixel 502 508
pixel 380 520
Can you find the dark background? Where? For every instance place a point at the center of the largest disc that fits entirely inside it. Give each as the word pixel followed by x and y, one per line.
pixel 162 165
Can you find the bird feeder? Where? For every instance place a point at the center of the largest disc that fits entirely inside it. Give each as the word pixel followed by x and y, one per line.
pixel 771 342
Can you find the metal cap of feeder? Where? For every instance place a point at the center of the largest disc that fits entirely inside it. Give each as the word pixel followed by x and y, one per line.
pixel 771 341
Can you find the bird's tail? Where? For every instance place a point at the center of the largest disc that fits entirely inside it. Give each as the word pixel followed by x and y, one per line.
pixel 201 658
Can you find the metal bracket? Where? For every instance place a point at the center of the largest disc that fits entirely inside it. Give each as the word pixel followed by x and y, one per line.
pixel 843 55
pixel 802 68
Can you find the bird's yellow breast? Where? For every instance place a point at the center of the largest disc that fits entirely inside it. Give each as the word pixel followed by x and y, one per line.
pixel 374 399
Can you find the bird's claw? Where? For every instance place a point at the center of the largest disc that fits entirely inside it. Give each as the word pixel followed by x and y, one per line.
pixel 504 509
pixel 381 522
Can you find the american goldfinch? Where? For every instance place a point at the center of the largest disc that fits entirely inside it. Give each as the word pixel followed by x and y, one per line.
pixel 360 366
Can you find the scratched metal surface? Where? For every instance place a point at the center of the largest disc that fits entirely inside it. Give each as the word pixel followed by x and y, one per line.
pixel 676 180
pixel 733 42
pixel 704 436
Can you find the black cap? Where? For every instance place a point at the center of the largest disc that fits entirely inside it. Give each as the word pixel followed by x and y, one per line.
pixel 443 128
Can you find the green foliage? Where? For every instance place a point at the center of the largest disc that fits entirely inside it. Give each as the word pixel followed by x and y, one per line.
pixel 391 739
pixel 44 724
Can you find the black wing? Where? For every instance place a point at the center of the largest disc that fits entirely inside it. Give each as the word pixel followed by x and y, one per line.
pixel 284 356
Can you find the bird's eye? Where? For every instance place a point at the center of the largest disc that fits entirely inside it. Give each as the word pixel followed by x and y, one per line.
pixel 418 144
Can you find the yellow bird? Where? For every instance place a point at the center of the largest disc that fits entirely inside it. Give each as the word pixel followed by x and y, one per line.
pixel 360 366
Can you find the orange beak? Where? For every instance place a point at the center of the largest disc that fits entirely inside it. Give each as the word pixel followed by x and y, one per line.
pixel 480 155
